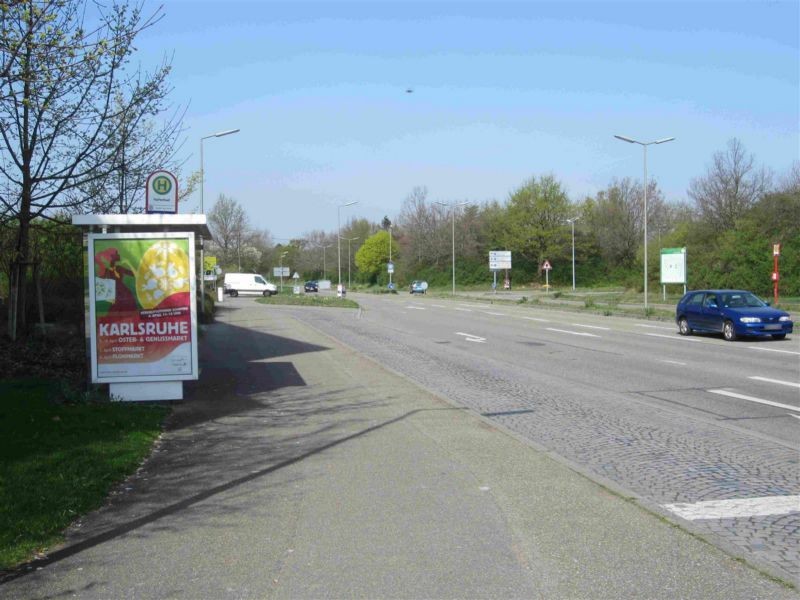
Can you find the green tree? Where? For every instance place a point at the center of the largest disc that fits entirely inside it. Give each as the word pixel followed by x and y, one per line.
pixel 373 256
pixel 533 224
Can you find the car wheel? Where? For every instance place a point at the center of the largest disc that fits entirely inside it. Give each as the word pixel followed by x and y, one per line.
pixel 778 336
pixel 728 331
pixel 266 294
pixel 683 327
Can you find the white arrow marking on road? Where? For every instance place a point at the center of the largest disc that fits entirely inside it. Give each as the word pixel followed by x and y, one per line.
pixel 752 399
pixel 591 326
pixel 736 508
pixel 778 381
pixel 572 332
pixel 471 338
pixel 775 350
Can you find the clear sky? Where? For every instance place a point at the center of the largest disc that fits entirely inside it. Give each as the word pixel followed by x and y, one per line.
pixel 501 92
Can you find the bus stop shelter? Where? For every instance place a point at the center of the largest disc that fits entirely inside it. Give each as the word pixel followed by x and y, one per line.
pixel 143 276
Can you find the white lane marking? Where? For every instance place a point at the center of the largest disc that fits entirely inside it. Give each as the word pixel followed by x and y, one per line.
pixel 496 314
pixel 778 381
pixel 415 307
pixel 583 333
pixel 590 326
pixel 752 399
pixel 672 337
pixel 673 362
pixel 471 338
pixel 439 305
pixel 795 416
pixel 736 508
pixel 464 309
pixel 775 350
pixel 535 319
pixel 655 327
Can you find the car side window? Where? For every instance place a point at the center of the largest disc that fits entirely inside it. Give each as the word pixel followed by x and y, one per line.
pixel 259 280
pixel 695 300
pixel 711 301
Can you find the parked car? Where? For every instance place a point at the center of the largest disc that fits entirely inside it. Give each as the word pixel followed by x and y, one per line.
pixel 733 313
pixel 242 283
pixel 311 286
pixel 418 287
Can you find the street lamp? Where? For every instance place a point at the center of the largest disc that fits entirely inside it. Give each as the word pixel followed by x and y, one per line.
pixel 353 239
pixel 202 170
pixel 644 145
pixel 572 222
pixel 339 237
pixel 453 213
pixel 281 262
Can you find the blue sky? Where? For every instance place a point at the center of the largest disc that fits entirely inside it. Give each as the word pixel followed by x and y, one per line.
pixel 502 92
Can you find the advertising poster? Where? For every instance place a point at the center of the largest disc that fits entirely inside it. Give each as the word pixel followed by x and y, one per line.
pixel 142 307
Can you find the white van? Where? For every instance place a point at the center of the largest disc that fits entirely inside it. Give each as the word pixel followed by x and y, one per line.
pixel 248 283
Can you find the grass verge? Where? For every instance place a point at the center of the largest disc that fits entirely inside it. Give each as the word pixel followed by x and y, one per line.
pixel 308 300
pixel 59 460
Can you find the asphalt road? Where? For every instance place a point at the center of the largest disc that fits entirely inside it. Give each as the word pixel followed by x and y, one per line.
pixel 701 430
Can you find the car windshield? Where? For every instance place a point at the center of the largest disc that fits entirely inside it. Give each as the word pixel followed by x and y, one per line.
pixel 741 300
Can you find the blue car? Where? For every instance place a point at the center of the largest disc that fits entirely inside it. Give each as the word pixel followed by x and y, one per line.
pixel 733 313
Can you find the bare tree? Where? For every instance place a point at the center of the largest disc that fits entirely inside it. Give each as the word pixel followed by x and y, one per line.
pixel 731 185
pixel 230 228
pixel 59 122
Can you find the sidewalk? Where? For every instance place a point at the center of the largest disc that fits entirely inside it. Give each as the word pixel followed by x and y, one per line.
pixel 298 469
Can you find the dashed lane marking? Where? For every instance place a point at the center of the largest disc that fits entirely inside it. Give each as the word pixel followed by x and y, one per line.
pixel 775 350
pixel 778 381
pixel 591 326
pixel 740 508
pixel 535 319
pixel 672 337
pixel 655 326
pixel 757 400
pixel 583 333
pixel 673 362
pixel 496 314
pixel 464 309
pixel 415 307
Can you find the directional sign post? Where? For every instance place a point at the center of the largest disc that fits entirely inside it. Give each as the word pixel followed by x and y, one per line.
pixel 498 260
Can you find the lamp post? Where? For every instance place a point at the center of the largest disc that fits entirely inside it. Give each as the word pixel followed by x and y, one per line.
pixel 572 222
pixel 202 170
pixel 453 214
pixel 282 255
pixel 390 258
pixel 353 239
pixel 339 237
pixel 644 145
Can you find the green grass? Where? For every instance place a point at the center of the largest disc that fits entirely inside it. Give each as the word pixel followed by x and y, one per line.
pixel 308 300
pixel 59 460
